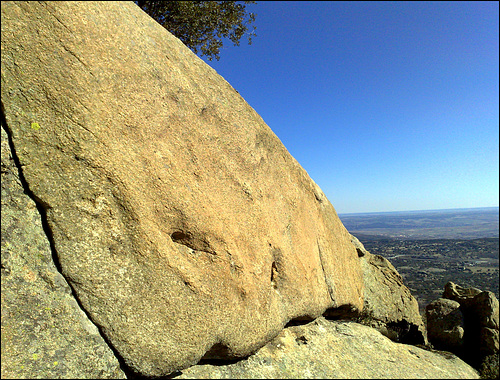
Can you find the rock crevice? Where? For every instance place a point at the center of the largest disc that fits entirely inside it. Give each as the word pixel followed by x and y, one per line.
pixel 40 271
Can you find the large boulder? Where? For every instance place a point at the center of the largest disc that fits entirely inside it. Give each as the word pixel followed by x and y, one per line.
pixel 45 334
pixel 182 224
pixel 389 305
pixel 326 349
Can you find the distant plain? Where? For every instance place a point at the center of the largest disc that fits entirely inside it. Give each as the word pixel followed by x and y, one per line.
pixel 465 223
pixel 430 248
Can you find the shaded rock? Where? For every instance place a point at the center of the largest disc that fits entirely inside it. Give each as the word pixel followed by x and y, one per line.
pixel 481 314
pixel 388 304
pixel 480 323
pixel 326 349
pixel 487 309
pixel 182 223
pixel 489 341
pixel 445 325
pixel 45 334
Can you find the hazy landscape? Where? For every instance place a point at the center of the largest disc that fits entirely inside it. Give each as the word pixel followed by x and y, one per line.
pixel 465 223
pixel 430 248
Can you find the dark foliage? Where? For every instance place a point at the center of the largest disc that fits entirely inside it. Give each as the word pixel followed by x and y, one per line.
pixel 201 25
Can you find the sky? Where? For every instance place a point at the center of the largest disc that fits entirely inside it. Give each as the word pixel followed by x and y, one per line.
pixel 389 106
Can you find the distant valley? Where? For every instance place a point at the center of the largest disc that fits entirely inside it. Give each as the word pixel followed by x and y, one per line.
pixel 430 248
pixel 467 223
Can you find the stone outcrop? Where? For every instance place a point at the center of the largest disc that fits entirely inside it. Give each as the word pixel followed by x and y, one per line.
pixel 326 349
pixel 458 293
pixel 389 305
pixel 479 311
pixel 45 334
pixel 182 224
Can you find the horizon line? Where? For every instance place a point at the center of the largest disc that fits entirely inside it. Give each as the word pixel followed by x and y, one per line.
pixel 423 210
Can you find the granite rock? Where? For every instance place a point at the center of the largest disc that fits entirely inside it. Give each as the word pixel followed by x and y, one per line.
pixel 183 225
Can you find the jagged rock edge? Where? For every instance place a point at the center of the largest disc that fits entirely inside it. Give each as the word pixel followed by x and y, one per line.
pixel 42 210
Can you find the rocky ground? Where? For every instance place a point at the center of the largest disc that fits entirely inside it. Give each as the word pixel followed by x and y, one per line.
pixel 337 350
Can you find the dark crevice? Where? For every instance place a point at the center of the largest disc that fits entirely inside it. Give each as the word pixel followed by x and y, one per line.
pixel 218 351
pixel 42 208
pixel 220 355
pixel 173 375
pixel 221 362
pixel 318 198
pixel 193 242
pixel 276 267
pixel 343 312
pixel 405 332
pixel 274 275
pixel 299 321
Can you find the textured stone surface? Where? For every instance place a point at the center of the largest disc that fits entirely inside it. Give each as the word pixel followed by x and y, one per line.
pixel 183 224
pixel 337 350
pixel 44 332
pixel 389 304
pixel 445 325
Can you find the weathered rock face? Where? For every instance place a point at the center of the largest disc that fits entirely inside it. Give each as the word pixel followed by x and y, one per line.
pixel 445 325
pixel 45 334
pixel 181 222
pixel 389 304
pixel 326 349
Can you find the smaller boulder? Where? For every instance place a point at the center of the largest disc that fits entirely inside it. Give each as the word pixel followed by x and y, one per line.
pixel 445 325
pixel 457 293
pixel 486 306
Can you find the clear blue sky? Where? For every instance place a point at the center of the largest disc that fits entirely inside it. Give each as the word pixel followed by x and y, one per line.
pixel 389 106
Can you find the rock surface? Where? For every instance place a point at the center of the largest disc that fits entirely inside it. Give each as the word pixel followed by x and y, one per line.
pixel 45 334
pixel 326 349
pixel 182 224
pixel 389 304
